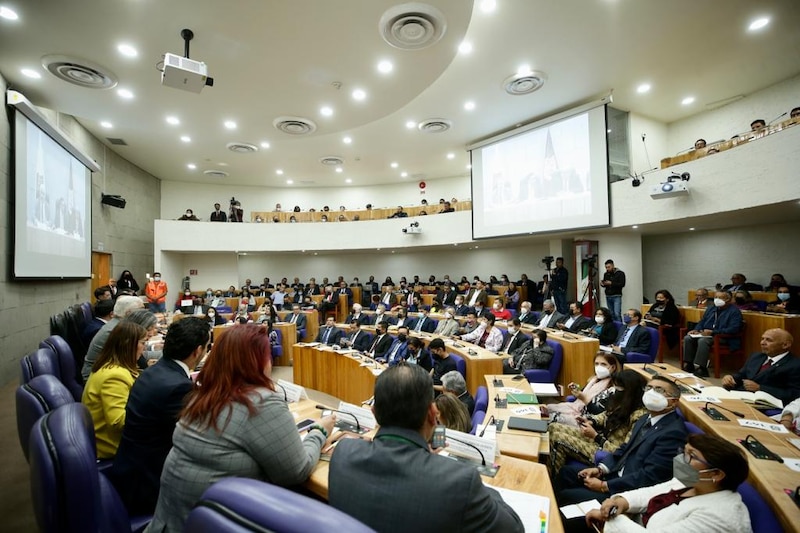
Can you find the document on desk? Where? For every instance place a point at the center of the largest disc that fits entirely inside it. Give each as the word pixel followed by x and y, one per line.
pixel 757 424
pixel 700 398
pixel 532 509
pixel 364 416
pixel 294 393
pixel 544 389
pixel 792 462
pixel 579 509
pixel 464 444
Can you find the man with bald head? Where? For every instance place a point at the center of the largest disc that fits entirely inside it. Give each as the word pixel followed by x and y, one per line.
pixel 775 370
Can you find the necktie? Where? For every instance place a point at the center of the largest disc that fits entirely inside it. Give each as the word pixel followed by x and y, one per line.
pixel 410 298
pixel 766 365
pixel 625 337
pixel 374 344
pixel 326 336
pixel 508 342
pixel 294 319
pixel 353 338
pixel 419 323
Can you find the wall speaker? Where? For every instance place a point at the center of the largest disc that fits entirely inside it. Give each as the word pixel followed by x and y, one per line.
pixel 114 200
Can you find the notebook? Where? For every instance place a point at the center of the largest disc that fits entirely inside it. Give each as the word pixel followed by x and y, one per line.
pixel 527 424
pixel 521 398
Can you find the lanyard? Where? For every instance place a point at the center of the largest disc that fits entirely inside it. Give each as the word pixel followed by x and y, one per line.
pixel 399 439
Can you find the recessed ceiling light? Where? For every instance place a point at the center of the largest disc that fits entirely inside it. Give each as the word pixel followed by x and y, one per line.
pixel 688 100
pixel 394 164
pixel 222 164
pixel 289 182
pixel 476 247
pixel 173 120
pixel 339 170
pixel 8 13
pixel 347 140
pixel 469 106
pixel 231 125
pixel 191 166
pixel 125 93
pixel 325 111
pixel 186 138
pixel 469 167
pixel 465 47
pixel 107 125
pixel 265 144
pixel 404 174
pixel 385 67
pixel 635 227
pixel 359 94
pixel 279 172
pixel 411 124
pixel 487 6
pixel 643 88
pixel 127 50
pixel 451 155
pixel 348 180
pixel 524 70
pixel 30 73
pixel 758 24
pixel 608 130
pixel 691 229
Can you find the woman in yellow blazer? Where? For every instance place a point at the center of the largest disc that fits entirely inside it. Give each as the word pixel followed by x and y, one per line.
pixel 108 386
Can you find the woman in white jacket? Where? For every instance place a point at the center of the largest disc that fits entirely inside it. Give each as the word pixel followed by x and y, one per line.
pixel 485 335
pixel 701 497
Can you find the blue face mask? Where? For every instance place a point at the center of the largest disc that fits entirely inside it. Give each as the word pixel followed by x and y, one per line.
pixel 784 296
pixel 626 319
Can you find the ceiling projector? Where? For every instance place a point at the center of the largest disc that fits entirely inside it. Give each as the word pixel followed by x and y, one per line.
pixel 674 186
pixel 184 73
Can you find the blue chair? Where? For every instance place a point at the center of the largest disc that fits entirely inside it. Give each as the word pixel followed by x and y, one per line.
pixel 68 493
pixel 477 419
pixel 692 429
pixel 461 365
pixel 66 364
pixel 88 312
pixel 224 309
pixel 549 375
pixel 277 349
pixel 762 517
pixel 481 399
pixel 537 315
pixel 650 356
pixel 35 399
pixel 42 361
pixel 240 505
pixel 514 312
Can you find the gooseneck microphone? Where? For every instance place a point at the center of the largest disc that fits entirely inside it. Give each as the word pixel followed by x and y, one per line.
pixel 323 408
pixel 776 119
pixel 483 459
pixel 653 372
pixel 737 413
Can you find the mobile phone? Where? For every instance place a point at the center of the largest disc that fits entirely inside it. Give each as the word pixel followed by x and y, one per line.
pixel 305 424
pixel 439 437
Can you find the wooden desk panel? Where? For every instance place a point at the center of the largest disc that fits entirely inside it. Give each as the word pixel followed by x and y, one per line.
pixel 288 333
pixel 312 324
pixel 514 442
pixel 757 295
pixel 333 373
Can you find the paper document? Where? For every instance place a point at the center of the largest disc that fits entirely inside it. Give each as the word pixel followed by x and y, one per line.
pixel 464 444
pixel 700 398
pixel 529 410
pixel 757 424
pixel 795 442
pixel 760 399
pixel 532 509
pixel 365 417
pixel 544 389
pixel 294 393
pixel 511 390
pixel 792 463
pixel 579 509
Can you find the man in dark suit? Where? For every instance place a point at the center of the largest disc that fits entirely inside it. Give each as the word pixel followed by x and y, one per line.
pixel 218 215
pixel 345 290
pixel 198 307
pixel 103 312
pixel 722 317
pixel 297 318
pixel 356 339
pixel 574 321
pixel 460 307
pixel 549 317
pixel 739 282
pixel 357 315
pixel 526 315
pixel 447 296
pixel 398 351
pixel 644 460
pixel 477 294
pixel 154 403
pixel 329 334
pixel 423 323
pixel 366 476
pixel 634 336
pixel 775 370
pixel 382 342
pixel 403 319
pixel 514 339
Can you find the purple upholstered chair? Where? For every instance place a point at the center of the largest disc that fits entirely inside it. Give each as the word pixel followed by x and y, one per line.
pixel 550 374
pixel 66 364
pixel 650 356
pixel 35 399
pixel 461 365
pixel 69 495
pixel 42 361
pixel 477 419
pixel 481 399
pixel 242 505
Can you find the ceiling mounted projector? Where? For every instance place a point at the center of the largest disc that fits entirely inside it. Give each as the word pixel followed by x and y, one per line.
pixel 674 186
pixel 184 73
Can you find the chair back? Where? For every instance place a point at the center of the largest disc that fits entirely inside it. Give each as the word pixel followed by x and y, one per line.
pixel 241 505
pixel 88 312
pixel 66 364
pixel 693 429
pixel 42 361
pixel 477 419
pixel 762 517
pixel 481 399
pixel 549 375
pixel 277 347
pixel 461 365
pixel 35 399
pixel 650 356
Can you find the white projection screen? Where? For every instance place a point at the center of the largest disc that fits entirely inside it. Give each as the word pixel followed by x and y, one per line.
pixel 52 208
pixel 550 177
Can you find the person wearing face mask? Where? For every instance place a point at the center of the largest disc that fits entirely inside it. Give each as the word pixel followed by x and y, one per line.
pixel 329 334
pixel 633 337
pixel 156 293
pixel 424 324
pixel 218 300
pixel 196 307
pixel 743 300
pixel 574 321
pixel 358 315
pixel 549 317
pixel 189 215
pixel 499 309
pixel 701 496
pixel 242 316
pixel 486 335
pixel 381 316
pixel 514 339
pixel 721 318
pixel 382 341
pixel 533 354
pixel 606 431
pixel 526 315
pixel 449 325
pixel 593 398
pixel 418 355
pixel 603 329
pixel 398 351
pixel 665 313
pixel 786 301
pixel 442 362
pixel 643 460
pixel 214 318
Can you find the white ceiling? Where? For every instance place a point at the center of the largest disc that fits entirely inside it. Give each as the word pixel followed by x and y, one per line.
pixel 272 58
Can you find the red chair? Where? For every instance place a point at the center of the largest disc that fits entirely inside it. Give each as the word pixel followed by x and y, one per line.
pixel 720 349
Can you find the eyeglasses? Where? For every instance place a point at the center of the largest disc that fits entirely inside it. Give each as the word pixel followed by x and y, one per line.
pixel 688 457
pixel 662 391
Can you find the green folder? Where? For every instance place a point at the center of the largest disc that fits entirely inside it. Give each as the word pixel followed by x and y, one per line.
pixel 521 398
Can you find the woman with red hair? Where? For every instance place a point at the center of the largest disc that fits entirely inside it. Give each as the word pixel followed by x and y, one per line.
pixel 234 424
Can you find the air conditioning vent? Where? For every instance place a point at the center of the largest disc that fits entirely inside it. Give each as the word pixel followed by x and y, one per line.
pixel 435 125
pixel 213 173
pixel 79 72
pixel 331 160
pixel 116 141
pixel 524 83
pixel 295 125
pixel 412 26
pixel 242 148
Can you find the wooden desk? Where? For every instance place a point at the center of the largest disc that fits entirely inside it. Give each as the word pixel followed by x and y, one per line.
pixel 769 477
pixel 514 474
pixel 757 295
pixel 312 324
pixel 514 442
pixel 332 372
pixel 288 334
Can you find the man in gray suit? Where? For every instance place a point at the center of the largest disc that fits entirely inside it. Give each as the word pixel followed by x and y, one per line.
pixel 380 481
pixel 550 316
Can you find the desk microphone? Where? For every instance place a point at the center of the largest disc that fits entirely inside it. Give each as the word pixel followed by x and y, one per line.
pixel 653 372
pixel 483 459
pixel 777 118
pixel 737 413
pixel 569 336
pixel 323 408
pixel 486 425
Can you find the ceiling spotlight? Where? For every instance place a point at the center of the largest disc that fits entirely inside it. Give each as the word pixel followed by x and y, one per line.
pixel 347 140
pixel 191 166
pixel 523 70
pixel 487 6
pixel 394 164
pixel 279 172
pixel 325 111
pixel 127 50
pixel 608 130
pixel 385 67
pixel 411 124
pixel 359 94
pixel 758 24
pixel 30 73
pixel 8 14
pixel 469 167
pixel 465 47
pixel 289 182
pixel 348 180
pixel 688 100
pixel 265 145
pixel 469 106
pixel 643 88
pixel 173 120
pixel 635 227
pixel 186 138
pixel 231 125
pixel 339 170
pixel 107 125
pixel 691 229
pixel 404 174
pixel 125 93
pixel 451 155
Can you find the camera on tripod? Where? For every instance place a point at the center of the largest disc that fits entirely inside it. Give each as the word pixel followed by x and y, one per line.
pixel 548 261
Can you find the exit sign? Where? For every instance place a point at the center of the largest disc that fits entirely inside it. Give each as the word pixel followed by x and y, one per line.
pixel 193 272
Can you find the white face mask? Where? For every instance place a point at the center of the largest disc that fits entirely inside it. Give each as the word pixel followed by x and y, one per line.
pixel 719 302
pixel 211 314
pixel 654 401
pixel 536 342
pixel 602 372
pixel 157 278
pixel 511 330
pixel 448 315
pixel 599 319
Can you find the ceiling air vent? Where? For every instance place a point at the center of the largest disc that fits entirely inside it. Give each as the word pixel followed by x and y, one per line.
pixel 242 148
pixel 524 83
pixel 331 160
pixel 435 125
pixel 116 141
pixel 213 173
pixel 79 72
pixel 295 125
pixel 412 26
